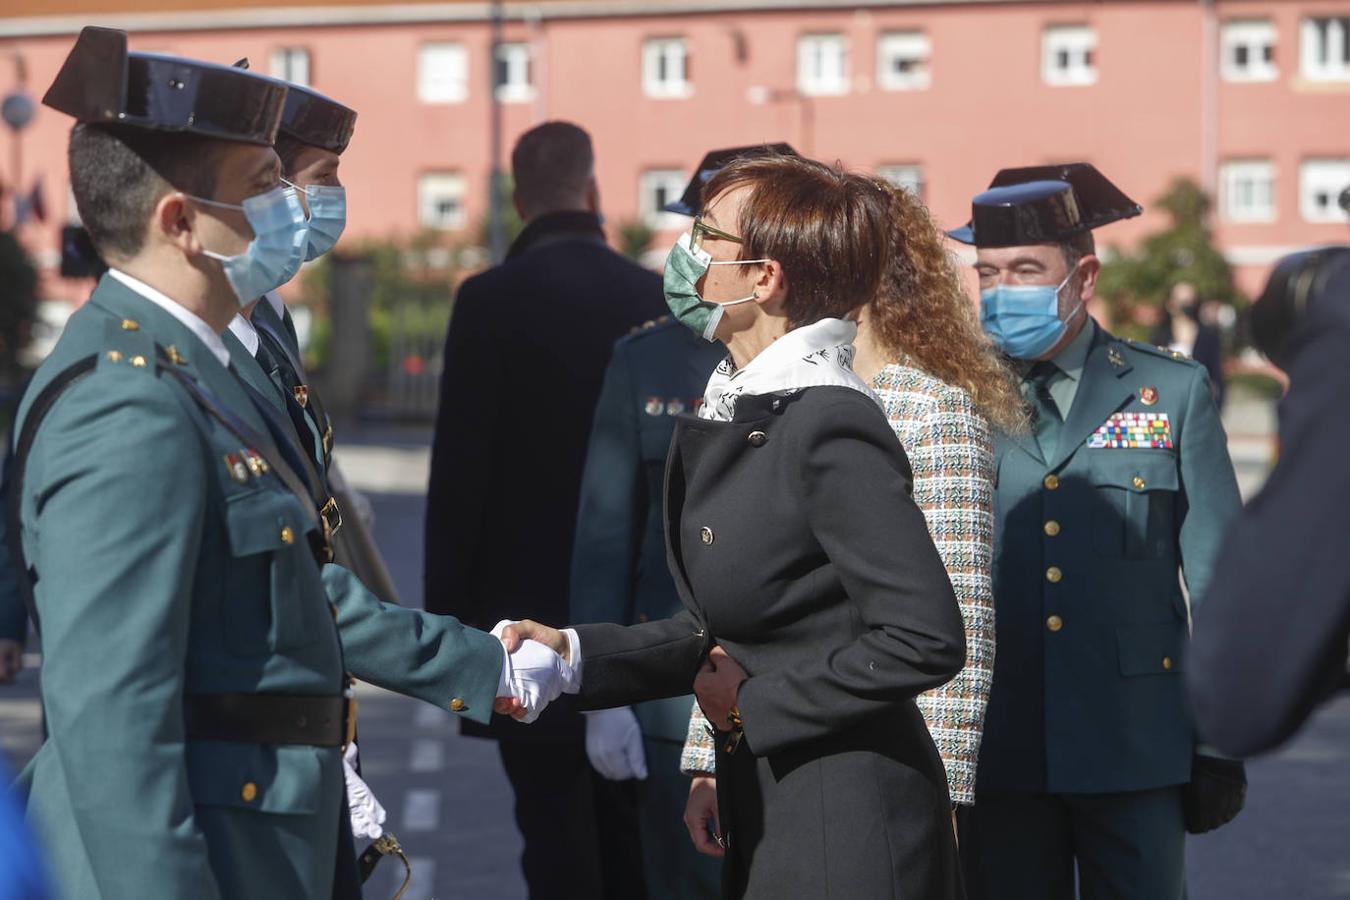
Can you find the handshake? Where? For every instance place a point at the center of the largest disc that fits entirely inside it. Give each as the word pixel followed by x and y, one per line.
pixel 540 664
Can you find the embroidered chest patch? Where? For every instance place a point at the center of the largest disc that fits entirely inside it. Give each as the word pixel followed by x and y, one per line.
pixel 1133 431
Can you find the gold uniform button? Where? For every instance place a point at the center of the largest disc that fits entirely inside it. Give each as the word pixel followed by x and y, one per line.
pixel 114 356
pixel 1054 623
pixel 757 438
pixel 1052 528
pixel 1167 662
pixel 130 325
pixel 287 535
pixel 1138 482
pixel 705 534
pixel 457 705
pixel 1053 575
pixel 1051 482
pixel 249 792
pixel 138 362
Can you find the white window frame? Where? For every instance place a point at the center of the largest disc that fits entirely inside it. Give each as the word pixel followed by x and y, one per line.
pixel 1257 36
pixel 671 182
pixel 292 64
pixel 812 79
pixel 904 175
pixel 1247 190
pixel 914 47
pixel 433 189
pixel 672 54
pixel 1323 177
pixel 1325 56
pixel 442 72
pixel 518 86
pixel 1076 41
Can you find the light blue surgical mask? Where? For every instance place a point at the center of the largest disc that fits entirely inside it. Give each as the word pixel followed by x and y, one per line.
pixel 278 247
pixel 327 217
pixel 684 267
pixel 1023 319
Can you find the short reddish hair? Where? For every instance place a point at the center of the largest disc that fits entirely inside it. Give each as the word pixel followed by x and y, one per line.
pixel 827 227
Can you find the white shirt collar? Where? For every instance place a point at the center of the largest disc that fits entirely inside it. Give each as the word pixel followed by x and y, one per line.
pixel 197 326
pixel 248 335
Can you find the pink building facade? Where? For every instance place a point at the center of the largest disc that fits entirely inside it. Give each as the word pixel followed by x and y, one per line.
pixel 1249 97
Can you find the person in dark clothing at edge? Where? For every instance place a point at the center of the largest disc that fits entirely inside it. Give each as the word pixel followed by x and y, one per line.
pixel 528 344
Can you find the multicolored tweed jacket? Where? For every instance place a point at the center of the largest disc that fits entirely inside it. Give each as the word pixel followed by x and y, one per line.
pixel 951 450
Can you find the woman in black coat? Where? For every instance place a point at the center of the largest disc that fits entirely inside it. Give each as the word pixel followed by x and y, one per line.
pixel 816 605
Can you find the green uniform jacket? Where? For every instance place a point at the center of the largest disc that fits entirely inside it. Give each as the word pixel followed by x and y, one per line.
pixel 1091 619
pixel 433 658
pixel 619 571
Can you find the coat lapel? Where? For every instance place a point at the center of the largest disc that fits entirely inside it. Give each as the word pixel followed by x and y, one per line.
pixel 251 371
pixel 1100 393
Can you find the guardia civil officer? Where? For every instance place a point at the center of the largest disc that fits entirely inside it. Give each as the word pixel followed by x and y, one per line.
pixel 1088 745
pixel 193 676
pixel 619 571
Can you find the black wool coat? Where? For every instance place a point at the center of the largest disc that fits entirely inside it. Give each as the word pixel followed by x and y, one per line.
pixel 796 545
pixel 525 356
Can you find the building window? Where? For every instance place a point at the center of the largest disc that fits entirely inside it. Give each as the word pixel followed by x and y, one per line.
pixel 1069 55
pixel 291 64
pixel 902 61
pixel 1325 48
pixel 665 67
pixel 1319 187
pixel 822 64
pixel 906 176
pixel 442 73
pixel 440 200
pixel 1247 191
pixel 511 73
pixel 1248 50
pixel 656 188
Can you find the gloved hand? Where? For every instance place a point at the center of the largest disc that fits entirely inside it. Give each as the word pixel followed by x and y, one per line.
pixel 614 744
pixel 366 812
pixel 1216 793
pixel 532 674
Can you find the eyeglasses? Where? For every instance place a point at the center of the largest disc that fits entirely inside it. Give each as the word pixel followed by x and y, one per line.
pixel 702 229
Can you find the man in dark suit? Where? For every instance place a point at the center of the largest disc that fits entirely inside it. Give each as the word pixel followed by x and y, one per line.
pixel 525 357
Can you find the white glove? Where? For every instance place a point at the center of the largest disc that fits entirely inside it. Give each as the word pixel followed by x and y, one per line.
pixel 614 744
pixel 367 813
pixel 532 674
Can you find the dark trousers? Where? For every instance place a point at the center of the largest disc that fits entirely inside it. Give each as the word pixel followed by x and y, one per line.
pixel 675 870
pixel 1127 846
pixel 580 830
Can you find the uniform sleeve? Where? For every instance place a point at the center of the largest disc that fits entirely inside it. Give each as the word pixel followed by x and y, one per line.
pixel 699 754
pixel 1270 639
pixel 612 507
pixel 408 651
pixel 953 459
pixel 114 517
pixel 857 486
pixel 1210 497
pixel 626 664
pixel 463 458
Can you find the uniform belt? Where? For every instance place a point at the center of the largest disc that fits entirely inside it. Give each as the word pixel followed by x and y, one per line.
pixel 270 718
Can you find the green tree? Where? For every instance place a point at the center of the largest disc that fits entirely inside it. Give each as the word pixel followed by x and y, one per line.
pixel 1184 251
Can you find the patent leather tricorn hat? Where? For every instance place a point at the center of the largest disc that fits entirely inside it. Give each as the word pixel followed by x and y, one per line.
pixel 691 201
pixel 1043 205
pixel 311 118
pixel 102 83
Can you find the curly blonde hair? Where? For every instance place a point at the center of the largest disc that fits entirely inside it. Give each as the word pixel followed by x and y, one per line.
pixel 922 312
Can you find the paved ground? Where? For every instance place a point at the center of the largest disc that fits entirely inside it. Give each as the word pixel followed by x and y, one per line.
pixel 449 801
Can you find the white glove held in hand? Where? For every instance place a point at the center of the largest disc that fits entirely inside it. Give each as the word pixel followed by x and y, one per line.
pixel 367 813
pixel 533 674
pixel 614 744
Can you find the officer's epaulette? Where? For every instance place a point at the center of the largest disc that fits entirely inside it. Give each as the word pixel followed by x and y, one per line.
pixel 125 345
pixel 649 325
pixel 1164 352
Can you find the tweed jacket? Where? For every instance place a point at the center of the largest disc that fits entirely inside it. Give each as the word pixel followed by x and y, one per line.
pixel 951 450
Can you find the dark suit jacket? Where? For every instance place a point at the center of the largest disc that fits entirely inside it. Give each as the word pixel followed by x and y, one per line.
pixel 526 352
pixel 795 544
pixel 1273 644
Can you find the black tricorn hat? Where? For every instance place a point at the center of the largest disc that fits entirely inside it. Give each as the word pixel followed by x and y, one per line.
pixel 102 83
pixel 312 118
pixel 1043 205
pixel 691 201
